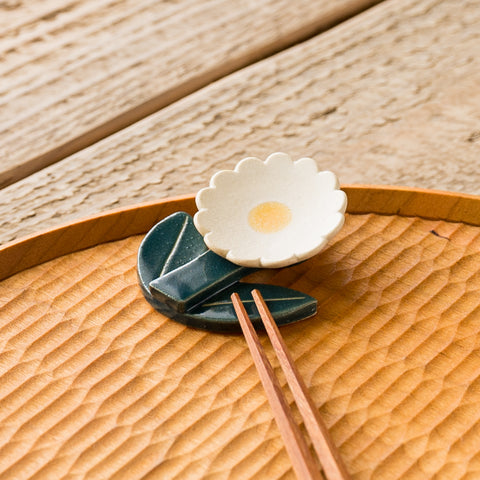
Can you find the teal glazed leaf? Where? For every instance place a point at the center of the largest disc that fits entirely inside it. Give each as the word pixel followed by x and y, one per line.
pixel 196 281
pixel 168 245
pixel 185 281
pixel 286 306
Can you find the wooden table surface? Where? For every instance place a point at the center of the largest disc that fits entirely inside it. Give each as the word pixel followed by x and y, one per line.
pixel 110 103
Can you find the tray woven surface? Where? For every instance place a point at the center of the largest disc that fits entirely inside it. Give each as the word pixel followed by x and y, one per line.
pixel 96 384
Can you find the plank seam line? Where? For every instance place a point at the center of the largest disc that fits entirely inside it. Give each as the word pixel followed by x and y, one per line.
pixel 180 91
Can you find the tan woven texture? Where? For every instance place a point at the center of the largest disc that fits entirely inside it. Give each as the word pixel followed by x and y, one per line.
pixel 96 384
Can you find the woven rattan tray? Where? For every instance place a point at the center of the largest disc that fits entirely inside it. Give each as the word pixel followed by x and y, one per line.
pixel 96 384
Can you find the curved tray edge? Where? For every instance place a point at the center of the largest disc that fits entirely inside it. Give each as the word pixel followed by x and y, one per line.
pixel 414 202
pixel 121 223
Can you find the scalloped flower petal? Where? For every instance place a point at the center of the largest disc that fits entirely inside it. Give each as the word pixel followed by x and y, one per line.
pixel 270 214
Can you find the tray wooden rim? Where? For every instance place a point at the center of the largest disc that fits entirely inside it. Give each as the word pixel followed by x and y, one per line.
pixel 117 224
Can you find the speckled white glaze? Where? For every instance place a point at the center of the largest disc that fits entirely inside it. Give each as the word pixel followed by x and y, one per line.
pixel 314 200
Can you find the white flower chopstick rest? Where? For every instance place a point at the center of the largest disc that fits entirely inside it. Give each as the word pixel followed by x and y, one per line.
pixel 270 214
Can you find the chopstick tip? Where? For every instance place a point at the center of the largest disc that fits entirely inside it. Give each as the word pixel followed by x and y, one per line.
pixel 256 293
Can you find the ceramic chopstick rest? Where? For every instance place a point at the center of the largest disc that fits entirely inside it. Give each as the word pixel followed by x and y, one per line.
pixel 171 248
pixel 197 281
pixel 261 214
pixel 270 214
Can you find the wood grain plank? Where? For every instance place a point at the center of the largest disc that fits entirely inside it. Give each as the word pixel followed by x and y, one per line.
pixel 388 97
pixel 17 14
pixel 79 71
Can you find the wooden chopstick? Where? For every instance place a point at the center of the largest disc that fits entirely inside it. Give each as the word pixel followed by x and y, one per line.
pixel 297 448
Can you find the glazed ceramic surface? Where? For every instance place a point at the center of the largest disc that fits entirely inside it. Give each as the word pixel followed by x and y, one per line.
pixel 270 214
pixel 196 281
pixel 185 281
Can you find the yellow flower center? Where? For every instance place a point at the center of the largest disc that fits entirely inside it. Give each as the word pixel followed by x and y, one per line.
pixel 269 217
